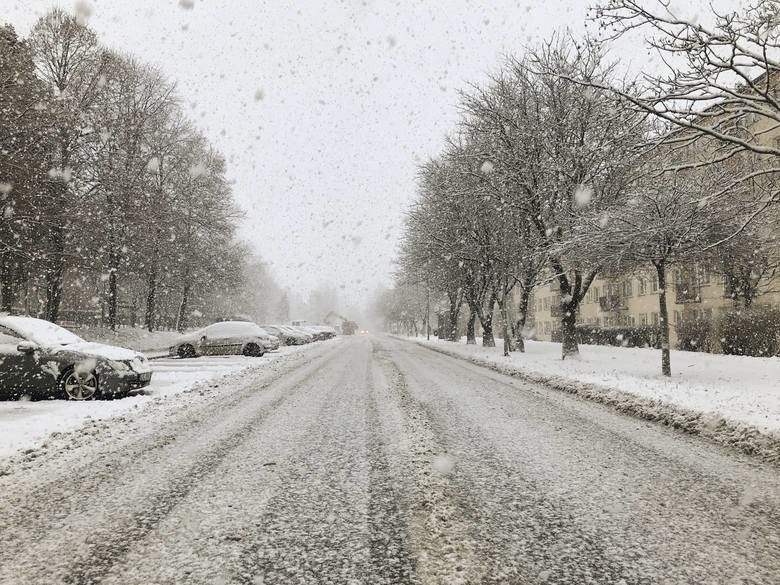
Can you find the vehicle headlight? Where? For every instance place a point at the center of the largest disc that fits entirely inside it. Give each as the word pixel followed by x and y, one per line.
pixel 118 366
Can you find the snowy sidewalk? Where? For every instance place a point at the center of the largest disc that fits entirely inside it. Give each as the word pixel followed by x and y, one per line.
pixel 734 400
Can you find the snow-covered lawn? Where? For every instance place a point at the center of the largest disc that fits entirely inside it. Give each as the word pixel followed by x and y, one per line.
pixel 26 425
pixel 740 389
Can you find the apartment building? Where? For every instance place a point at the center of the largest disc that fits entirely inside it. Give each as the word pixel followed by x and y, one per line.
pixel 693 292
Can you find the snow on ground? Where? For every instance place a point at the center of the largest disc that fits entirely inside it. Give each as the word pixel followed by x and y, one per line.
pixel 26 425
pixel 735 388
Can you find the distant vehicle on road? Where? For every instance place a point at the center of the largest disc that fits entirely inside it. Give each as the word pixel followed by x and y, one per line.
pixel 226 338
pixel 43 360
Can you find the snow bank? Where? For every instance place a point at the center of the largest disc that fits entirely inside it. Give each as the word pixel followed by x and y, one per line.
pixel 733 400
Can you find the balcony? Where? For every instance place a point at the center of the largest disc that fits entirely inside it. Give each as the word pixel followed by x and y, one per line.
pixel 612 303
pixel 686 292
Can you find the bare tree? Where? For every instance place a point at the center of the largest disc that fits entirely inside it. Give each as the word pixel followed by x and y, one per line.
pixel 718 90
pixel 24 137
pixel 70 61
pixel 663 221
pixel 562 146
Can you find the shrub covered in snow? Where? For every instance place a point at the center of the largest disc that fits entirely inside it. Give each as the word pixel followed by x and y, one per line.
pixel 753 332
pixel 642 336
pixel 695 335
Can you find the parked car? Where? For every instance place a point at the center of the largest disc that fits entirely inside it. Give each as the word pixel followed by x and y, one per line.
pixel 226 338
pixel 43 360
pixel 284 337
pixel 306 336
pixel 315 333
pixel 327 331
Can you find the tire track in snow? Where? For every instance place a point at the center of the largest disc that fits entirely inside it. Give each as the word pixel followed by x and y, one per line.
pixel 441 515
pixel 519 532
pixel 88 471
pixel 316 528
pixel 576 493
pixel 109 533
pixel 391 560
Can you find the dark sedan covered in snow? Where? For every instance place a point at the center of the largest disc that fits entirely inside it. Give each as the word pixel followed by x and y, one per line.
pixel 39 359
pixel 226 338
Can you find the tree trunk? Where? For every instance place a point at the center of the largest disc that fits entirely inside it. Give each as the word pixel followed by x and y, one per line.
pixel 151 294
pixel 666 364
pixel 54 274
pixel 505 327
pixel 181 320
pixel 471 338
pixel 113 268
pixel 525 293
pixel 8 284
pixel 453 317
pixel 151 299
pixel 569 329
pixel 487 332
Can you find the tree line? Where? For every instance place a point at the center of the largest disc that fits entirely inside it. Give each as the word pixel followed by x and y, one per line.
pixel 114 206
pixel 562 169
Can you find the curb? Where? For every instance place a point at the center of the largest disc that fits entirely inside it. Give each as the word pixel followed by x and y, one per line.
pixel 742 437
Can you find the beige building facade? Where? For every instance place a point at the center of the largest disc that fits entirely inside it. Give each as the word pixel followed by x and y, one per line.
pixel 692 293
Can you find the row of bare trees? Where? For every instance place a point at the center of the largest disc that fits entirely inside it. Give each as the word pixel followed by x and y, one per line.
pixel 561 170
pixel 113 204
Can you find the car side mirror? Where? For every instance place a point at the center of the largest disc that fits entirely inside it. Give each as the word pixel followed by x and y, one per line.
pixel 27 346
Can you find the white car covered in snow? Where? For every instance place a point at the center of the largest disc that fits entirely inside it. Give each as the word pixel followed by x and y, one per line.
pixel 226 338
pixel 42 360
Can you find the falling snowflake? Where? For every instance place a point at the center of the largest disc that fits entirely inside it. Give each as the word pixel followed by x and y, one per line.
pixel 83 11
pixel 197 170
pixel 443 463
pixel 583 195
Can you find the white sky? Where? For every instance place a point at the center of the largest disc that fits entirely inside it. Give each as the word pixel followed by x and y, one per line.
pixel 354 95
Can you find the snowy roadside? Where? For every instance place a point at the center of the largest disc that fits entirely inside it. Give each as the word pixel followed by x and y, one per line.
pixel 27 425
pixel 732 400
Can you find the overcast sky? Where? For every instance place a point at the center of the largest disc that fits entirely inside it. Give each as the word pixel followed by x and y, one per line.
pixel 323 109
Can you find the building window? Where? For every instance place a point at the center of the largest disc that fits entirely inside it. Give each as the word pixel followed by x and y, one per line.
pixel 656 319
pixel 642 286
pixel 654 283
pixel 643 318
pixel 628 289
pixel 702 275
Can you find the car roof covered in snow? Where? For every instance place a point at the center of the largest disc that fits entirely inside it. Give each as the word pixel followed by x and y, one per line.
pixel 40 331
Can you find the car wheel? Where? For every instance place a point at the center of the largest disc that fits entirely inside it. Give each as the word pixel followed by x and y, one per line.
pixel 76 385
pixel 253 350
pixel 186 351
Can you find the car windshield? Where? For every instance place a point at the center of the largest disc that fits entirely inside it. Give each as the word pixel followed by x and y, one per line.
pixel 40 331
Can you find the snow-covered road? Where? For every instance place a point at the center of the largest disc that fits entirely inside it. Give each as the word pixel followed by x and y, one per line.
pixel 375 460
